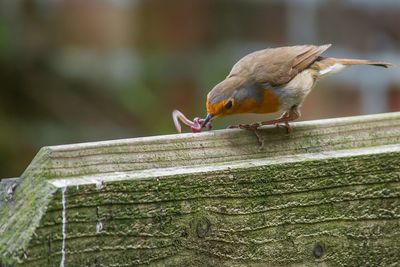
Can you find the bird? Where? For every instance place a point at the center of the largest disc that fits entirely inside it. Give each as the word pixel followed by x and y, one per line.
pixel 273 80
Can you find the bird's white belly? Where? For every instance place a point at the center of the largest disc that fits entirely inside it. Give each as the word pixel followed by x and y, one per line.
pixel 294 92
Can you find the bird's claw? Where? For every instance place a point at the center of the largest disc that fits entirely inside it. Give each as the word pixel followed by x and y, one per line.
pixel 196 125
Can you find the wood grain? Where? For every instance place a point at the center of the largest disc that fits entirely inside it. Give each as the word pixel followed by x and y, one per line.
pixel 327 195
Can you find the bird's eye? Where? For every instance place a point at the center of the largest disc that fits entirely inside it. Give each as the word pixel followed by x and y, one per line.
pixel 229 104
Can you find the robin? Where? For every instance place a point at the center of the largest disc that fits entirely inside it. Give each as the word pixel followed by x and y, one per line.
pixel 272 80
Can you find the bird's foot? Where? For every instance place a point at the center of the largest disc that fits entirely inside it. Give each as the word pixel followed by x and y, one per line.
pixel 286 126
pixel 253 128
pixel 250 127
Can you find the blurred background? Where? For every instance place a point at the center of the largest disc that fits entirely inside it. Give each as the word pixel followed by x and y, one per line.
pixel 86 70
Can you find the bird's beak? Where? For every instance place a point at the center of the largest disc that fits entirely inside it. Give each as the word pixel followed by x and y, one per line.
pixel 207 120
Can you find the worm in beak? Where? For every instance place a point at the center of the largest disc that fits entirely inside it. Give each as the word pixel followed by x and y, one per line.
pixel 196 125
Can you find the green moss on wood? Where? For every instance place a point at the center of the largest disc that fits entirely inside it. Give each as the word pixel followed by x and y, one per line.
pixel 244 215
pixel 273 206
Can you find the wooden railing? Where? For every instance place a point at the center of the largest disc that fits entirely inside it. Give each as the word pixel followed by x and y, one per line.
pixel 328 194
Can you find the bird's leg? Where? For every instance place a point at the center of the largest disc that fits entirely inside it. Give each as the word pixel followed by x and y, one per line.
pixel 250 127
pixel 282 118
pixel 285 118
pixel 256 125
pixel 291 115
pixel 253 128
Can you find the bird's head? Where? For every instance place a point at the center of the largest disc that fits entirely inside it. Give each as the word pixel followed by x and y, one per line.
pixel 236 95
pixel 221 99
pixel 228 97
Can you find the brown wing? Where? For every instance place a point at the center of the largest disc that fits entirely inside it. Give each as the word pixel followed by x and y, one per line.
pixel 277 66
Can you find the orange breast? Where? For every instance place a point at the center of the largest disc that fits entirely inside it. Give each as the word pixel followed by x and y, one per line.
pixel 270 103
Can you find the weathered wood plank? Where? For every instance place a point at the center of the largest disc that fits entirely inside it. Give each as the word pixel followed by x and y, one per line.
pixel 329 194
pixel 7 189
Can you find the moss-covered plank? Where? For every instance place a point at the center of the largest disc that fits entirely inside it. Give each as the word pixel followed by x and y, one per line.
pixel 249 214
pixel 329 194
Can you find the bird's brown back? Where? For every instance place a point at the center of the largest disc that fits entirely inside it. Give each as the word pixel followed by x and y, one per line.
pixel 277 66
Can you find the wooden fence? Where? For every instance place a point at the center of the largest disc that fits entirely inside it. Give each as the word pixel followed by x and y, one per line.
pixel 326 195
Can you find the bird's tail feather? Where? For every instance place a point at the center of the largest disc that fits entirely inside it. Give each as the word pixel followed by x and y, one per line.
pixel 346 61
pixel 328 66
